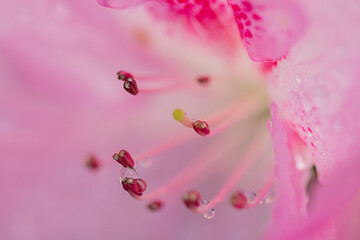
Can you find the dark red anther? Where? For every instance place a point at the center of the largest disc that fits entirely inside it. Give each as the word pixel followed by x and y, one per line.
pixel 124 158
pixel 126 182
pixel 155 205
pixel 130 86
pixel 239 200
pixel 92 162
pixel 138 186
pixel 203 80
pixel 122 75
pixel 201 127
pixel 134 186
pixel 192 199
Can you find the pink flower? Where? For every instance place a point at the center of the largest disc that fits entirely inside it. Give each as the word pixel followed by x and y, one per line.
pixel 63 109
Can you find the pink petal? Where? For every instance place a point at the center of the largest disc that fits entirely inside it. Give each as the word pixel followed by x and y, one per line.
pixel 120 4
pixel 268 28
pixel 317 89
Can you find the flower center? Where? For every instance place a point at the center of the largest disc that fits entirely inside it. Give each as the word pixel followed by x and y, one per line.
pixel 248 109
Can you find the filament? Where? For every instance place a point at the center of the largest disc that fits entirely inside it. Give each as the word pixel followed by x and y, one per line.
pixel 257 147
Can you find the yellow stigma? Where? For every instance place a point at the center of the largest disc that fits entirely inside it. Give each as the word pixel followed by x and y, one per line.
pixel 178 114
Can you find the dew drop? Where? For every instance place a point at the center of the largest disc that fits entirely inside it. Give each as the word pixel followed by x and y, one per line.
pixel 250 196
pixel 268 199
pixel 298 79
pixel 270 124
pixel 209 214
pixel 127 172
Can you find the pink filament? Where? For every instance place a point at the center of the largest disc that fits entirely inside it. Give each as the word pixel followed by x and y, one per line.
pixel 187 122
pixel 254 150
pixel 237 111
pixel 168 144
pixel 262 192
pixel 173 87
pixel 237 114
pixel 153 77
pixel 237 105
pixel 193 169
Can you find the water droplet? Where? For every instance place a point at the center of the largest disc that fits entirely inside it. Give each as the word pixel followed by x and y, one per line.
pixel 298 79
pixel 209 214
pixel 250 196
pixel 270 124
pixel 269 198
pixel 127 172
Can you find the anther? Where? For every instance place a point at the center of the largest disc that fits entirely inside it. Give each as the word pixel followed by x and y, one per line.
pixel 130 86
pixel 122 75
pixel 134 186
pixel 192 199
pixel 155 205
pixel 203 80
pixel 92 162
pixel 201 127
pixel 124 158
pixel 239 200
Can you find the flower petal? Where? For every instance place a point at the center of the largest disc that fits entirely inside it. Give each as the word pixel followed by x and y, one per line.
pixel 268 28
pixel 120 4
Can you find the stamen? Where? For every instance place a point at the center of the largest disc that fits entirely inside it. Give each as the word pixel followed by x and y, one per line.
pixel 181 116
pixel 155 205
pixel 124 158
pixel 239 200
pixel 240 108
pixel 168 144
pixel 129 82
pixel 191 171
pixel 92 162
pixel 244 105
pixel 192 199
pixel 203 80
pixel 130 86
pixel 201 127
pixel 122 75
pixel 134 186
pixel 242 112
pixel 256 148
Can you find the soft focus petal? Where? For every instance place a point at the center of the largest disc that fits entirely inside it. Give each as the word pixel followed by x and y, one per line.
pixel 60 101
pixel 316 88
pixel 210 21
pixel 269 28
pixel 120 4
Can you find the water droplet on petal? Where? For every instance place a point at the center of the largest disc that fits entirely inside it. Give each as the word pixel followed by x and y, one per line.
pixel 209 214
pixel 270 124
pixel 127 172
pixel 298 79
pixel 250 195
pixel 269 198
